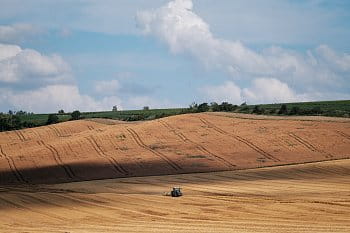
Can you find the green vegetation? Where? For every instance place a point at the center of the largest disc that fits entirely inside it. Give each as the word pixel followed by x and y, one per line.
pixel 340 108
pixel 19 120
pixel 52 119
pixel 75 115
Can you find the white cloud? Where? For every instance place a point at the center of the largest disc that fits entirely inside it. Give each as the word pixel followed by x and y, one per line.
pixel 263 91
pixel 185 32
pixel 267 90
pixel 109 87
pixel 29 66
pixel 227 92
pixel 17 32
pixel 54 97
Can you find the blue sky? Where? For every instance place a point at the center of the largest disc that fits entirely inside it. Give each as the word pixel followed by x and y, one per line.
pixel 91 55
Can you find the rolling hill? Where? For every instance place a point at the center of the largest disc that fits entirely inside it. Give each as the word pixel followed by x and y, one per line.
pixel 100 149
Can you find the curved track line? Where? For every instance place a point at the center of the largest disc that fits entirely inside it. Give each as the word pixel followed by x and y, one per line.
pixel 58 160
pixel 199 147
pixel 242 140
pixel 55 130
pixel 308 145
pixel 20 135
pixel 70 208
pixel 16 173
pixel 119 168
pixel 343 134
pixel 139 142
pixel 18 206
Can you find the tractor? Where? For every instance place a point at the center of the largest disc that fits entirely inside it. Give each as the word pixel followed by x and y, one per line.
pixel 176 192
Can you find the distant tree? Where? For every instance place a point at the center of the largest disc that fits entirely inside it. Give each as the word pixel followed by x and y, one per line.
pixel 194 105
pixel 316 110
pixel 75 115
pixel 214 107
pixel 10 112
pixel 283 110
pixel 146 108
pixel 227 107
pixel 258 110
pixel 294 111
pixel 61 111
pixel 272 111
pixel 204 107
pixel 244 104
pixel 52 119
pixel 20 112
pixel 115 108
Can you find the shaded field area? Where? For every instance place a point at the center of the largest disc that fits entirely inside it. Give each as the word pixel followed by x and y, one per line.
pixel 311 197
pixel 100 149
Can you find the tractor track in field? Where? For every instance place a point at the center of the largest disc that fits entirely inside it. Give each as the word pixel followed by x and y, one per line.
pixel 55 130
pixel 58 160
pixel 343 134
pixel 140 143
pixel 242 140
pixel 198 146
pixel 20 135
pixel 16 173
pixel 117 167
pixel 70 208
pixel 22 207
pixel 308 145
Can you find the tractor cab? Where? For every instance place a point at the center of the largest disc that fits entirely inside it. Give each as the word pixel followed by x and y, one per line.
pixel 176 192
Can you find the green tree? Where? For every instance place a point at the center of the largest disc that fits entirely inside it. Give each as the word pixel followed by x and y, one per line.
pixel 75 115
pixel 294 111
pixel 214 107
pixel 52 119
pixel 283 110
pixel 204 107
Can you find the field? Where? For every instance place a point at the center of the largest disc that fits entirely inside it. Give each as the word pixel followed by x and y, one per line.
pixel 295 198
pixel 239 173
pixel 126 115
pixel 187 143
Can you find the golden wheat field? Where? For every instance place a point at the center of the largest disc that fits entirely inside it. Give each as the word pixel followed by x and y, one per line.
pixel 312 197
pixel 239 173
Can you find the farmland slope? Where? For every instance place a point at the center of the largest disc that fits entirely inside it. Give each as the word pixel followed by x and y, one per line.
pixel 296 198
pixel 87 149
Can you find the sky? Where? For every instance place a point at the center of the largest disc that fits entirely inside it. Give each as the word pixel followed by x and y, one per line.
pixel 90 55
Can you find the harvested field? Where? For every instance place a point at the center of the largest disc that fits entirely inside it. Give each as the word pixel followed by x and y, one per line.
pixel 99 149
pixel 312 197
pixel 225 192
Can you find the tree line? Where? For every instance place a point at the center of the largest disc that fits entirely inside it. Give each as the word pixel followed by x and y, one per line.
pixel 12 119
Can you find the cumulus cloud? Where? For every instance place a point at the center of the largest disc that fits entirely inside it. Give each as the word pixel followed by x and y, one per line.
pixel 226 92
pixel 17 32
pixel 178 26
pixel 27 66
pixel 35 82
pixel 262 90
pixel 109 87
pixel 269 90
pixel 54 97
